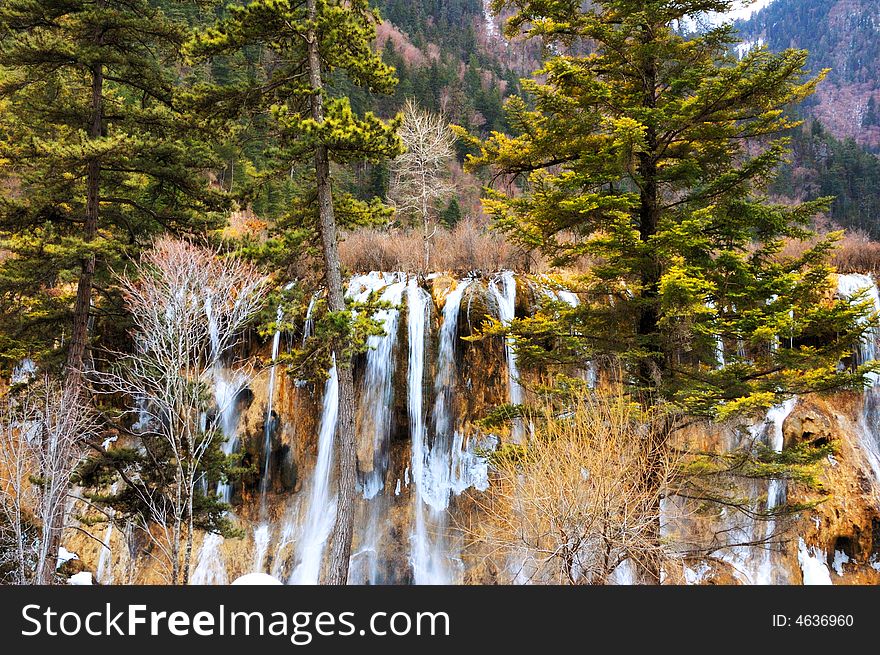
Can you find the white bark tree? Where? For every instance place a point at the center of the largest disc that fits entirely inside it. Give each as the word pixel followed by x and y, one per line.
pixel 189 306
pixel 420 176
pixel 44 429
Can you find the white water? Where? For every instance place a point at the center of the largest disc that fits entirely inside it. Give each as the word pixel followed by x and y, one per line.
pixel 270 421
pixel 261 547
pixel 226 391
pixel 421 556
pixel 436 483
pixel 813 565
pixel 377 395
pixel 506 298
pixel 847 287
pixel 761 569
pixel 104 572
pixel 322 508
pixel 211 568
pixel 320 512
pixel 375 426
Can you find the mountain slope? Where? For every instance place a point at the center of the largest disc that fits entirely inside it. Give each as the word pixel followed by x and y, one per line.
pixel 843 35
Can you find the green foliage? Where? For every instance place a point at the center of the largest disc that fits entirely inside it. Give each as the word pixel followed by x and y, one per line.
pixel 152 161
pixel 822 166
pixel 277 97
pixel 651 157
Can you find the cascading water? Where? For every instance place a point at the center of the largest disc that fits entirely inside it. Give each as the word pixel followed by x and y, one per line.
pixel 104 572
pixel 269 425
pixel 261 546
pixel 210 568
pixel 432 468
pixel 375 428
pixel 506 298
pixel 847 287
pixel 417 300
pixel 377 394
pixel 226 391
pixel 322 509
pixel 761 570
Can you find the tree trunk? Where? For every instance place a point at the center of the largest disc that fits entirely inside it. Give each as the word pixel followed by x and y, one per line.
pixel 187 555
pixel 80 332
pixel 340 552
pixel 651 367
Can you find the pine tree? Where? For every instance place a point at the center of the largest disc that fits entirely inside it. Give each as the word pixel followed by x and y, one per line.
pixel 96 161
pixel 649 157
pixel 306 46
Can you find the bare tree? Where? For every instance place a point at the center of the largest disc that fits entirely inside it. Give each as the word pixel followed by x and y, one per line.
pixel 420 175
pixel 579 499
pixel 43 436
pixel 189 306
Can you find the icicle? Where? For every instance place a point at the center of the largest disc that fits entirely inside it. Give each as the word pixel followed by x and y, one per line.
pixel 506 298
pixel 269 424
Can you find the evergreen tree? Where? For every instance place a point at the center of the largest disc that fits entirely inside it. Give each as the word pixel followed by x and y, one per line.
pixel 96 161
pixel 649 157
pixel 307 46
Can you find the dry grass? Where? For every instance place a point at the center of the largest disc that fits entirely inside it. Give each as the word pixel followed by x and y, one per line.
pixel 855 253
pixel 581 497
pixel 470 246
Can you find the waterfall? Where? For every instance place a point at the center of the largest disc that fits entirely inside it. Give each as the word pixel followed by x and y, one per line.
pixel 433 469
pixel 270 396
pixel 261 547
pixel 813 564
pixel 210 569
pixel 375 428
pixel 762 568
pixel 104 571
pixel 437 473
pixel 847 287
pixel 869 434
pixel 322 509
pixel 377 394
pixel 226 393
pixel 720 361
pixel 417 300
pixel 506 297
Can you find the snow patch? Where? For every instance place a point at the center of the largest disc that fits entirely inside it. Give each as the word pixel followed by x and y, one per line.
pixel 65 556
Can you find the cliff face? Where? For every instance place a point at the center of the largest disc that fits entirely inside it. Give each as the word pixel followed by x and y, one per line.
pixel 424 479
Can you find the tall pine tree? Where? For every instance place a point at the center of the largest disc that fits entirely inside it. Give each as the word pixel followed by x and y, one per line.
pixel 305 46
pixel 649 156
pixel 96 161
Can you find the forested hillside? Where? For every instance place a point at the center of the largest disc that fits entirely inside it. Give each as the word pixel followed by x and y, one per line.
pixel 843 35
pixel 376 292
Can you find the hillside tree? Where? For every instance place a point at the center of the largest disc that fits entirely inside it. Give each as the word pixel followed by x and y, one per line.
pixel 649 157
pixel 420 174
pixel 96 161
pixel 306 46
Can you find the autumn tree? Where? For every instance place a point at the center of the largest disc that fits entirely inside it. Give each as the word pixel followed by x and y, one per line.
pixel 189 306
pixel 570 505
pixel 420 173
pixel 649 157
pixel 305 46
pixel 44 431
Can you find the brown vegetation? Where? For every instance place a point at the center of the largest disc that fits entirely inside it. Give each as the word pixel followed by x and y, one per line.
pixel 469 246
pixel 581 498
pixel 855 253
